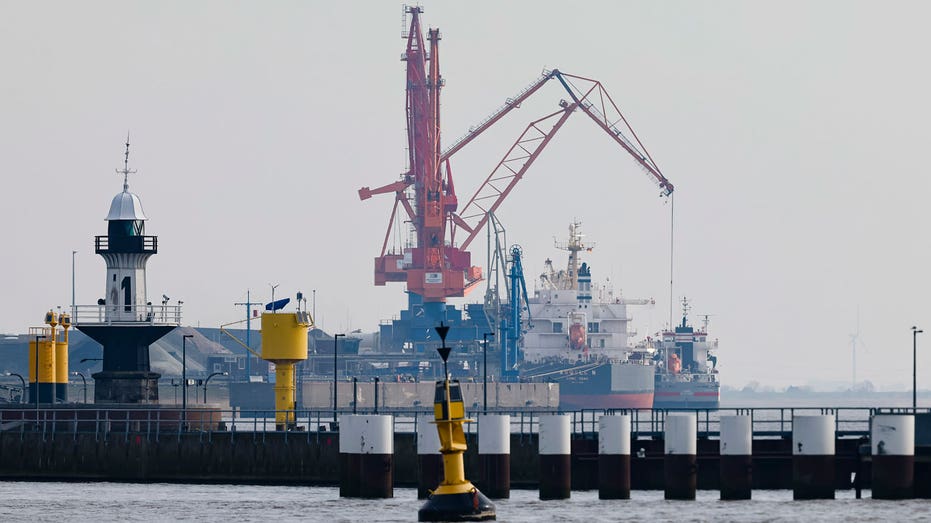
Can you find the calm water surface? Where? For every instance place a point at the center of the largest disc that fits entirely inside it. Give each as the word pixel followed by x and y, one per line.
pixel 24 501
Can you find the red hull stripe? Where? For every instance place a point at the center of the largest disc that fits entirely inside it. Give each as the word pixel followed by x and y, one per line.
pixel 636 400
pixel 715 394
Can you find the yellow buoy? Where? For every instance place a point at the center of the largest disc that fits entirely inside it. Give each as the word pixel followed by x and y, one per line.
pixel 455 499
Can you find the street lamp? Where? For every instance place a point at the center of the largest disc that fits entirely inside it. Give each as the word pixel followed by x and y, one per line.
pixel 184 375
pixel 485 370
pixel 84 380
pixel 73 314
pixel 915 332
pixel 23 381
pixel 335 353
pixel 206 381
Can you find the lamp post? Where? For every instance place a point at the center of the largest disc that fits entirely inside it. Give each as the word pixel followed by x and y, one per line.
pixel 23 381
pixel 72 288
pixel 184 375
pixel 335 353
pixel 84 381
pixel 915 332
pixel 206 381
pixel 485 371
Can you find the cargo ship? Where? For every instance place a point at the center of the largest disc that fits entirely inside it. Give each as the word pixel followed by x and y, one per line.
pixel 686 376
pixel 577 336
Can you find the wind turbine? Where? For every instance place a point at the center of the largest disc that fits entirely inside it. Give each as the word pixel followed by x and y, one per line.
pixel 854 342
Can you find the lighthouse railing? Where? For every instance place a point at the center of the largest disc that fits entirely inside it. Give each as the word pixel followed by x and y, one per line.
pixel 148 314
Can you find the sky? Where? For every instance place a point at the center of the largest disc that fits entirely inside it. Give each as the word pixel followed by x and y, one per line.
pixel 795 134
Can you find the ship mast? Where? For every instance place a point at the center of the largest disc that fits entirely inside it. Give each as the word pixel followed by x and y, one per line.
pixel 574 246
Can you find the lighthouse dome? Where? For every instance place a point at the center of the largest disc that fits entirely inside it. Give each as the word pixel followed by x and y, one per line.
pixel 126 206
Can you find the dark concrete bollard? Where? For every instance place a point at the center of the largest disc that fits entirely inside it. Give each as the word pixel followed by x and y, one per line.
pixel 494 454
pixel 614 457
pixel 736 457
pixel 813 457
pixel 366 446
pixel 680 467
pixel 555 451
pixel 429 459
pixel 893 447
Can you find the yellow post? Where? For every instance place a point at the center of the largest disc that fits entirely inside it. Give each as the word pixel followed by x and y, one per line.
pixel 61 359
pixel 284 395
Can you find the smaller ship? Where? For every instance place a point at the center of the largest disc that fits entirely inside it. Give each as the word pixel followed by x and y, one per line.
pixel 686 375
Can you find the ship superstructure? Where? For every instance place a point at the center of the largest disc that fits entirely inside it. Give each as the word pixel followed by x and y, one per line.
pixel 687 377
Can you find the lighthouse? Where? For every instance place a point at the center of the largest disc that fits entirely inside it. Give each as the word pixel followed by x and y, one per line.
pixel 124 321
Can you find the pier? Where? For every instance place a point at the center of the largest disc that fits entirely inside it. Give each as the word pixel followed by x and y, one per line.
pixel 230 446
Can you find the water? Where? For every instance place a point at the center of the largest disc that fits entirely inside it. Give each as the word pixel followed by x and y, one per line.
pixel 27 501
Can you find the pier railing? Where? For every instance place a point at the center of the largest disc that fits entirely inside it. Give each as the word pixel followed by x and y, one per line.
pixel 157 423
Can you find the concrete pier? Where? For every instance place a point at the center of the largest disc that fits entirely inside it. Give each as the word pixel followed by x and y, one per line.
pixel 614 456
pixel 813 457
pixel 736 457
pixel 555 451
pixel 366 449
pixel 429 459
pixel 893 448
pixel 494 455
pixel 680 464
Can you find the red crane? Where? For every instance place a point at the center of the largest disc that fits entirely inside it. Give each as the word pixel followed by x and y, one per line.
pixel 436 267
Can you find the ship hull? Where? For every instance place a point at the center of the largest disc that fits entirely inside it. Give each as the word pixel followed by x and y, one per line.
pixel 611 386
pixel 686 395
pixel 629 400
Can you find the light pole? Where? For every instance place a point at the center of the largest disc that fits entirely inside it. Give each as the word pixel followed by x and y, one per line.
pixel 485 371
pixel 72 288
pixel 335 353
pixel 184 375
pixel 915 332
pixel 84 380
pixel 206 381
pixel 38 337
pixel 22 395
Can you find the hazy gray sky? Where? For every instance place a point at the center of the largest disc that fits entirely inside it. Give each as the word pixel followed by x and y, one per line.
pixel 795 133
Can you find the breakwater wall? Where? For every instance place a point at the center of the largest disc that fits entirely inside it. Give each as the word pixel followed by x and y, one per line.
pixel 162 450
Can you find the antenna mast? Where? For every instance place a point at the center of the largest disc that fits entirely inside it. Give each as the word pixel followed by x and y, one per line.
pixel 126 170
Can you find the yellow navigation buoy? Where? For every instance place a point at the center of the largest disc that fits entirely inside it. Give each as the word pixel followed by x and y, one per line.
pixel 455 499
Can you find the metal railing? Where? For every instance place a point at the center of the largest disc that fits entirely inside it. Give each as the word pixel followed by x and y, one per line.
pixel 158 423
pixel 160 314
